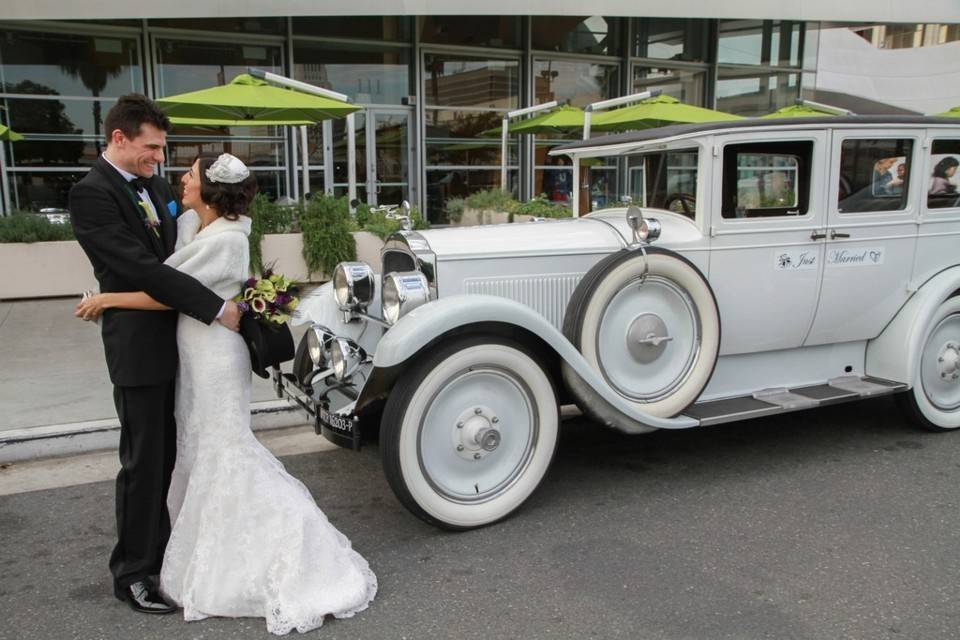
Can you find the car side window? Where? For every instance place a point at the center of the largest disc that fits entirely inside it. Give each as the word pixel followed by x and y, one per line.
pixel 944 186
pixel 874 174
pixel 766 179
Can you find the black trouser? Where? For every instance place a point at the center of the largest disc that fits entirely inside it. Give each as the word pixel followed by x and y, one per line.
pixel 148 450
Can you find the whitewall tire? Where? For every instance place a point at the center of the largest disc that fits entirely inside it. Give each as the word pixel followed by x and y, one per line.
pixel 649 325
pixel 934 401
pixel 468 435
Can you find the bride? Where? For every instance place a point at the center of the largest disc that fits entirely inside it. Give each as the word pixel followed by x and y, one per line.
pixel 247 538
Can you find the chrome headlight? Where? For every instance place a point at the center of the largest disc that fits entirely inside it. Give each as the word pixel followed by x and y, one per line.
pixel 649 229
pixel 319 339
pixel 402 293
pixel 353 285
pixel 345 356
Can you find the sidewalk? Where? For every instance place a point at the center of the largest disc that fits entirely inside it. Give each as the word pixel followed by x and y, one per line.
pixel 55 394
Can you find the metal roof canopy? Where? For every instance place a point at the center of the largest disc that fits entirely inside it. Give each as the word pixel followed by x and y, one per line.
pixel 823 10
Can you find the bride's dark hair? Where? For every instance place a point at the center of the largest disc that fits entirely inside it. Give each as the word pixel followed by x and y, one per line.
pixel 229 200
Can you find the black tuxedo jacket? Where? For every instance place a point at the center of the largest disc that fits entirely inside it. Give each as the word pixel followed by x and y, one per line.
pixel 140 346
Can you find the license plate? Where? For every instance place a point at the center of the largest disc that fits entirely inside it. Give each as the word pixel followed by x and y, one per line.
pixel 335 421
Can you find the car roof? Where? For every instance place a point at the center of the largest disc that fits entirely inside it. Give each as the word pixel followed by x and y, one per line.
pixel 677 130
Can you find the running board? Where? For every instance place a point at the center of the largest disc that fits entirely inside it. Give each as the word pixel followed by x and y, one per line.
pixel 770 402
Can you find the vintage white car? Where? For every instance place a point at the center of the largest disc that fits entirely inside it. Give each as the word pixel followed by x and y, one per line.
pixel 763 268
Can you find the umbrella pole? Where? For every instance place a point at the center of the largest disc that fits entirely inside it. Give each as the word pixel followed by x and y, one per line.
pixel 305 160
pixel 4 187
pixel 503 154
pixel 351 161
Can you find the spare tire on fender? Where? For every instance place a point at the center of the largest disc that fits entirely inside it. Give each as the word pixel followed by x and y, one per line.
pixel 647 322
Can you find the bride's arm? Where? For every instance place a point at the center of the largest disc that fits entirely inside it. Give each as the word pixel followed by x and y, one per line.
pixel 92 307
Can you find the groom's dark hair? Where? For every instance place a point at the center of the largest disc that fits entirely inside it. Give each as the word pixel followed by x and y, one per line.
pixel 131 112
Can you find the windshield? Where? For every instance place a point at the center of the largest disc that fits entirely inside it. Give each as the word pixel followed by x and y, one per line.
pixel 664 180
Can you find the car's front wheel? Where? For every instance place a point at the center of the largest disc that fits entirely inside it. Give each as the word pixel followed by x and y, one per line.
pixel 934 401
pixel 468 435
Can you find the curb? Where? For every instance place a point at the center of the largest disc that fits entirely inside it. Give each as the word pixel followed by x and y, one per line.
pixel 81 437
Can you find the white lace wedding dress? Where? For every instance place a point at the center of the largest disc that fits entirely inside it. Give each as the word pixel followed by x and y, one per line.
pixel 247 538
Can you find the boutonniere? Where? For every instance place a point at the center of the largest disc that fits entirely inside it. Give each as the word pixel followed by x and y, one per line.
pixel 149 220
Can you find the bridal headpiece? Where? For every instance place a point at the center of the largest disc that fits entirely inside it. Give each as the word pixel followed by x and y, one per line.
pixel 228 169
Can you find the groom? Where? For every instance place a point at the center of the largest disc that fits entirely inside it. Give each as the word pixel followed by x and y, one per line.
pixel 124 217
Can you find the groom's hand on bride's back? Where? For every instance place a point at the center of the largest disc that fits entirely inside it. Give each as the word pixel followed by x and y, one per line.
pixel 230 316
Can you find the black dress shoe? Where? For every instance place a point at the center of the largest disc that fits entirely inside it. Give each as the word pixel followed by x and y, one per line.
pixel 142 596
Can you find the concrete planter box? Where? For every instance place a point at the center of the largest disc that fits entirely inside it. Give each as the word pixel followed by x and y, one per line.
pixel 57 269
pixel 473 217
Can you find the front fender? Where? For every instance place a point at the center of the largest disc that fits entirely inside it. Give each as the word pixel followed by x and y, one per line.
pixel 418 328
pixel 893 355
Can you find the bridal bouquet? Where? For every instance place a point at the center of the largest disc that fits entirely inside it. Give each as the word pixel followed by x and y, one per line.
pixel 271 299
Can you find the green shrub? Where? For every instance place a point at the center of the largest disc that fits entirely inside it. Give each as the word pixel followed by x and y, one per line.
pixel 543 208
pixel 455 207
pixel 326 224
pixel 268 217
pixel 493 200
pixel 30 227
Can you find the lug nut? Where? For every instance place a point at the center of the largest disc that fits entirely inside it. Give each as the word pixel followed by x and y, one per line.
pixel 478 411
pixel 476 456
pixel 459 447
pixel 495 420
pixel 459 425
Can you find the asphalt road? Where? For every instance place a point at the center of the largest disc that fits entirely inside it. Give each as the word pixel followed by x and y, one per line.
pixel 833 524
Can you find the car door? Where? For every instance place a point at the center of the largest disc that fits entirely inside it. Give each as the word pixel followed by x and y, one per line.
pixel 871 233
pixel 767 237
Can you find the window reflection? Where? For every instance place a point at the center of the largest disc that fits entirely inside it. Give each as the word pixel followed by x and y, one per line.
pixel 573 82
pixel 576 34
pixel 191 65
pixel 749 93
pixel 444 184
pixel 683 84
pixel 766 42
pixel 366 74
pixel 472 31
pixel 32 191
pixel 671 39
pixel 70 64
pixel 390 28
pixel 470 82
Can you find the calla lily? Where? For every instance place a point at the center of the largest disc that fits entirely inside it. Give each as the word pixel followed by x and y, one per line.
pixel 258 305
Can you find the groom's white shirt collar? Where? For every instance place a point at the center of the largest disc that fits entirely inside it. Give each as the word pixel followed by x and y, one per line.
pixel 126 174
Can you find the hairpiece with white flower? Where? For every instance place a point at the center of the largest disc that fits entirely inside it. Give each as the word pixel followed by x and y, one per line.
pixel 228 169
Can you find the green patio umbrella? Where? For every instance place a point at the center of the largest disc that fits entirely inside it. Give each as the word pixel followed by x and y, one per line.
pixel 9 135
pixel 951 113
pixel 249 100
pixel 562 119
pixel 797 111
pixel 657 111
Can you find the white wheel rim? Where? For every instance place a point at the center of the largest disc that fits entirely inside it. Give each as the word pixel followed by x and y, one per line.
pixel 451 460
pixel 940 364
pixel 673 360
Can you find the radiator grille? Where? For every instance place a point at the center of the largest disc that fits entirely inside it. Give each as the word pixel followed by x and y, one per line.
pixel 546 294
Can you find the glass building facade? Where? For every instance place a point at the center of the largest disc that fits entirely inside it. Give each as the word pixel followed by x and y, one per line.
pixel 434 90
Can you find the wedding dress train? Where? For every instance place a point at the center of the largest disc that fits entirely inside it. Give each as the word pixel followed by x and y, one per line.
pixel 247 538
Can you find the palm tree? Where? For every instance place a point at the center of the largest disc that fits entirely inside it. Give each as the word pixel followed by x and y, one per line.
pixel 94 69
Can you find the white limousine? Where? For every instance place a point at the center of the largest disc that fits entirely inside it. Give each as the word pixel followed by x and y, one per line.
pixel 763 267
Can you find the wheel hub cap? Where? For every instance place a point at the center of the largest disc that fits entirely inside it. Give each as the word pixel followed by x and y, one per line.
pixel 477 433
pixel 647 337
pixel 948 362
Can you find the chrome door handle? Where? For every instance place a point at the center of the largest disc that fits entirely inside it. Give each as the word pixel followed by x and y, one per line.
pixel 816 235
pixel 835 234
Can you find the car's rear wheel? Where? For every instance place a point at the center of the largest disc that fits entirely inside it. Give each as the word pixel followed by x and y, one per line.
pixel 934 401
pixel 468 435
pixel 648 323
